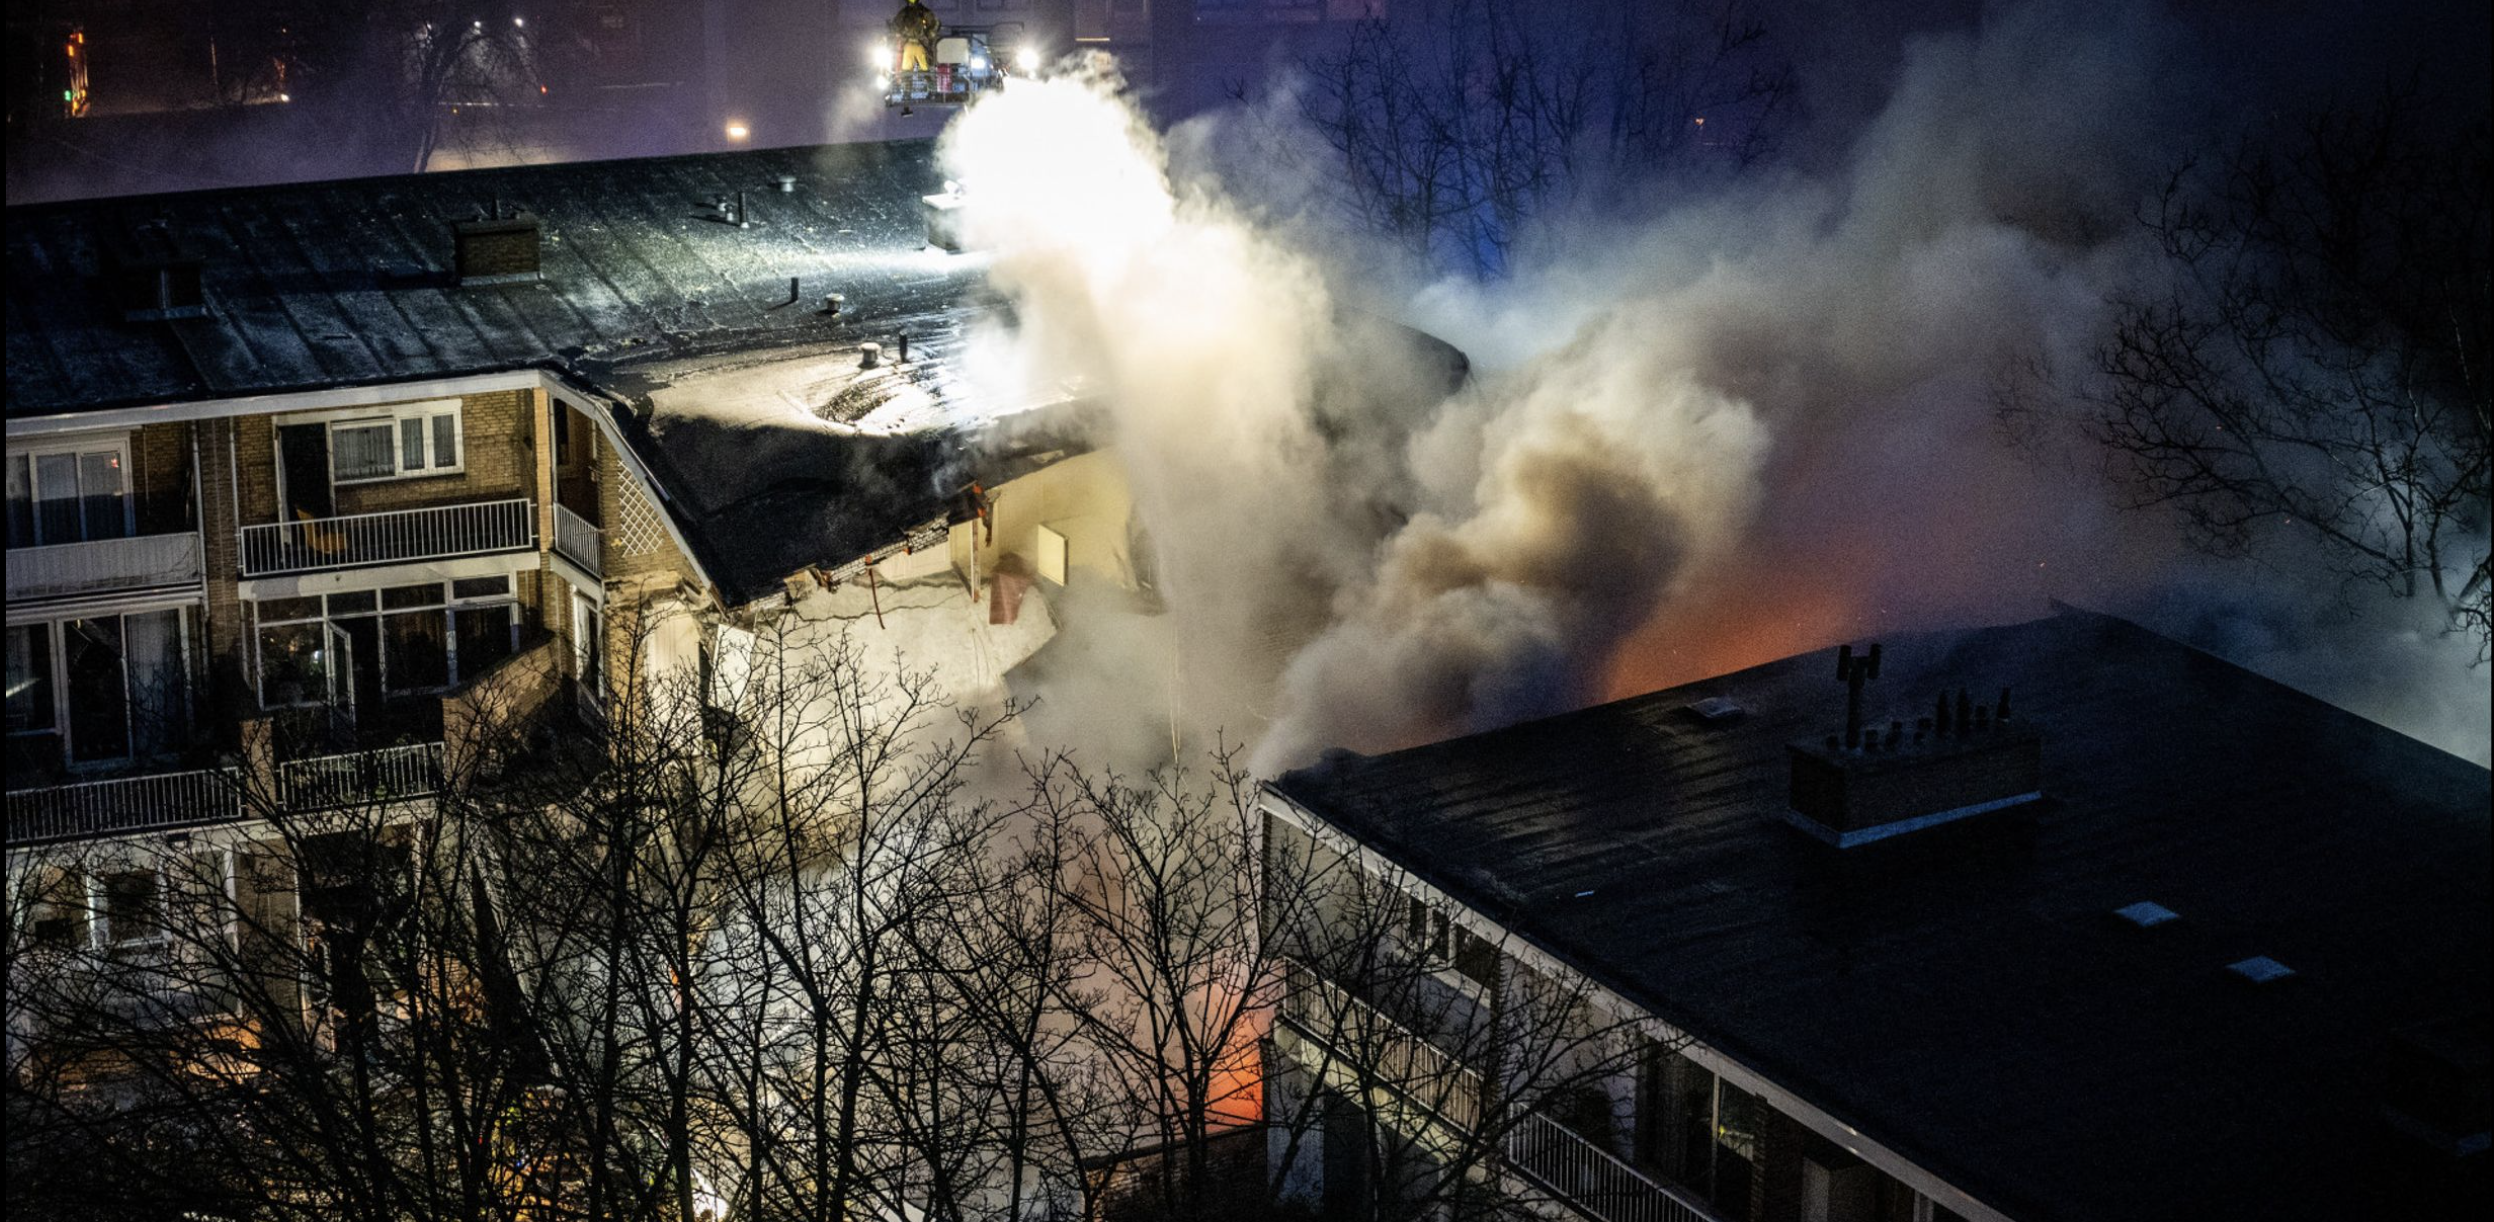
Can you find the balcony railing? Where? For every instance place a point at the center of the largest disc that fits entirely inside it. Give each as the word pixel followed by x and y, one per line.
pixel 163 801
pixel 102 565
pixel 1589 1179
pixel 442 533
pixel 390 774
pixel 124 804
pixel 577 540
pixel 1421 1071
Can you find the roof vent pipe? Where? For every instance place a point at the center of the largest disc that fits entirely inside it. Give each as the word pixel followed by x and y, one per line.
pixel 787 184
pixel 904 337
pixel 869 355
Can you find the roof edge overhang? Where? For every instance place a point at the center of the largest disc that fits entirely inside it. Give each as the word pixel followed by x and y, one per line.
pixel 1525 946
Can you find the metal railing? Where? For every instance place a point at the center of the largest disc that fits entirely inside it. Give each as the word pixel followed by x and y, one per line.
pixel 124 804
pixel 577 540
pixel 135 563
pixel 390 774
pixel 166 800
pixel 388 538
pixel 1589 1179
pixel 1417 1069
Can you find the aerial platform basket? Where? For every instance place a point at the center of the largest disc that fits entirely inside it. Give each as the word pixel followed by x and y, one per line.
pixel 968 63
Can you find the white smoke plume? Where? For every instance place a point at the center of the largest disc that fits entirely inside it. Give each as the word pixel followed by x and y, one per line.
pixel 1699 439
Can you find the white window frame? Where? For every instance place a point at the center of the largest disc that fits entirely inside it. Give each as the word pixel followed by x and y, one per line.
pixel 450 607
pixel 118 444
pixel 100 926
pixel 395 416
pixel 396 420
pixel 56 651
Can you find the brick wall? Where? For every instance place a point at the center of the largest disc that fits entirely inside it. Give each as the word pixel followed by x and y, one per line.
pixel 160 477
pixel 230 689
pixel 498 453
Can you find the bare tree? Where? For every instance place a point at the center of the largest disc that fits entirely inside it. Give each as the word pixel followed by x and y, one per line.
pixel 2310 356
pixel 400 67
pixel 1460 122
pixel 760 950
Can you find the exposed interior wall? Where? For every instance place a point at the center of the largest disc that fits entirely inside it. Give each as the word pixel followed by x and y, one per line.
pixel 1083 498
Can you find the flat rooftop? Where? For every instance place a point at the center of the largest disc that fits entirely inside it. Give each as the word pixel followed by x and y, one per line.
pixel 348 283
pixel 1965 995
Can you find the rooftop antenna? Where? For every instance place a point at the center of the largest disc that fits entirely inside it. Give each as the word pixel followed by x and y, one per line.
pixel 1853 674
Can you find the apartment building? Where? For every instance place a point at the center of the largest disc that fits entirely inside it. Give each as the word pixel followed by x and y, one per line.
pixel 296 475
pixel 2059 920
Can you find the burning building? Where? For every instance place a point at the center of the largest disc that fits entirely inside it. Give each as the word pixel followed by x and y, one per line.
pixel 292 471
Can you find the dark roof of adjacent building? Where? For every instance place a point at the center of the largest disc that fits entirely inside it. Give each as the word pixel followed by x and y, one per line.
pixel 1962 995
pixel 348 283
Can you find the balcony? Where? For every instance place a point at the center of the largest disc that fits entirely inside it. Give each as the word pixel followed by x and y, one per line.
pixel 1588 1179
pixel 169 800
pixel 577 541
pixel 443 533
pixel 101 566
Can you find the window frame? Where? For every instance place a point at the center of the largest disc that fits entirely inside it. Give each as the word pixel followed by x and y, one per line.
pixel 105 923
pixel 448 606
pixel 56 658
pixel 395 420
pixel 115 444
pixel 394 415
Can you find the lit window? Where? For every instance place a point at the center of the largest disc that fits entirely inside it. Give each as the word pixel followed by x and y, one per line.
pixel 68 496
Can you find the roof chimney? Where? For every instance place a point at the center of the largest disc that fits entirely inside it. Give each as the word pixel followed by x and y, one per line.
pixel 496 251
pixel 1860 788
pixel 943 217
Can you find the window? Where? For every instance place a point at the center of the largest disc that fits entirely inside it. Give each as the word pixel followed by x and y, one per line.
pixel 1740 1124
pixel 431 635
pixel 30 678
pixel 112 686
pixel 59 913
pixel 132 907
pixel 484 637
pixel 362 451
pixel 418 440
pixel 1427 931
pixel 294 665
pixel 415 652
pixel 70 494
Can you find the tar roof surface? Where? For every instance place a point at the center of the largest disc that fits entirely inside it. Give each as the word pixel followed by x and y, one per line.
pixel 1964 997
pixel 801 457
pixel 339 283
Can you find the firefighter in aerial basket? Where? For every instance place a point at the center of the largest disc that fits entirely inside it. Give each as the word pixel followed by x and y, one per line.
pixel 916 30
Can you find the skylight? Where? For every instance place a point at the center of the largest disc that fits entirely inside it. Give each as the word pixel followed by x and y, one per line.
pixel 2260 969
pixel 2146 914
